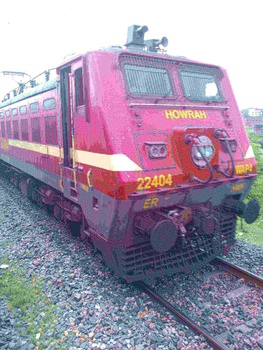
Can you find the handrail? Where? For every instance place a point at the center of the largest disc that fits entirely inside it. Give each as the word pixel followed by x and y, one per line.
pixel 177 105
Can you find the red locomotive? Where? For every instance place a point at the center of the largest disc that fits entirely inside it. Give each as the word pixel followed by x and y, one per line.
pixel 147 152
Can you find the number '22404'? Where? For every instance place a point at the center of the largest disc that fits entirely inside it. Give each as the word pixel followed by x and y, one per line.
pixel 157 181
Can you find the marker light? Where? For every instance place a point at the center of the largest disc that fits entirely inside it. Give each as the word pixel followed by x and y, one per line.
pixel 156 150
pixel 233 145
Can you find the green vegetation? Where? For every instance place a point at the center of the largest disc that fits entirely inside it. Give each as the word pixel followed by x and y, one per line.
pixel 257 188
pixel 28 302
pixel 251 233
pixel 20 294
pixel 254 233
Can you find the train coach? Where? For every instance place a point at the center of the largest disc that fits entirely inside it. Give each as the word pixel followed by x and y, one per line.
pixel 146 152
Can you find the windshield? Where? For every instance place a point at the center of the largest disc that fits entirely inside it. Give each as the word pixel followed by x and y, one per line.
pixel 148 80
pixel 201 85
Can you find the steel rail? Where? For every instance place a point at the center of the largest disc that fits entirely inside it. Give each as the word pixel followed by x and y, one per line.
pixel 238 271
pixel 216 344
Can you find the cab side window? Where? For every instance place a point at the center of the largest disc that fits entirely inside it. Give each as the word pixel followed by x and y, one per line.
pixel 79 88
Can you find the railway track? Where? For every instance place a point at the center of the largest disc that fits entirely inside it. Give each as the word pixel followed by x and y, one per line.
pixel 174 310
pixel 212 340
pixel 238 271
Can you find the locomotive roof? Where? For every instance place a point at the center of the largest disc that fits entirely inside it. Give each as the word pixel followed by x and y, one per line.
pixel 120 51
pixel 117 51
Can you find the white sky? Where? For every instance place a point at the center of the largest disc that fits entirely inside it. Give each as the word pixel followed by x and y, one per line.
pixel 36 35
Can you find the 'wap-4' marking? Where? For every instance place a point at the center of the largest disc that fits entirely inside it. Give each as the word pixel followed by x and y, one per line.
pixel 244 169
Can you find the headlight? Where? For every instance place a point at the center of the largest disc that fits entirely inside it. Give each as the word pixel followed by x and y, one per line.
pixel 202 150
pixel 207 151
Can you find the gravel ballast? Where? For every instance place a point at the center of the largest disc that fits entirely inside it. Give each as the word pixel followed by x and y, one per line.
pixel 94 309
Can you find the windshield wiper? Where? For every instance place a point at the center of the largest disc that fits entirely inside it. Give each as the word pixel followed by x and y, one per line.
pixel 161 98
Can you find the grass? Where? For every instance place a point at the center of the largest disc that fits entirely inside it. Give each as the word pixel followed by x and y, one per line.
pixel 251 233
pixel 254 233
pixel 28 302
pixel 19 293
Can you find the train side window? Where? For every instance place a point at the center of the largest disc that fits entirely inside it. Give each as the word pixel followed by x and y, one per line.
pixel 7 113
pixel 79 88
pixel 49 103
pixel 15 129
pixel 24 129
pixel 34 107
pixel 3 129
pixel 2 115
pixel 14 112
pixel 51 130
pixel 22 110
pixel 35 126
pixel 8 128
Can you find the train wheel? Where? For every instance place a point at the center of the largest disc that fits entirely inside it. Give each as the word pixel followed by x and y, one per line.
pixel 84 231
pixel 58 213
pixel 49 209
pixel 74 228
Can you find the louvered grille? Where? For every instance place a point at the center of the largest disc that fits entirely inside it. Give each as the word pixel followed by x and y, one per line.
pixel 200 84
pixel 147 80
pixel 147 76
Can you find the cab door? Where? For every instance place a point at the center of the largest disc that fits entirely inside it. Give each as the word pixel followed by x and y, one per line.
pixel 66 114
pixel 72 105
